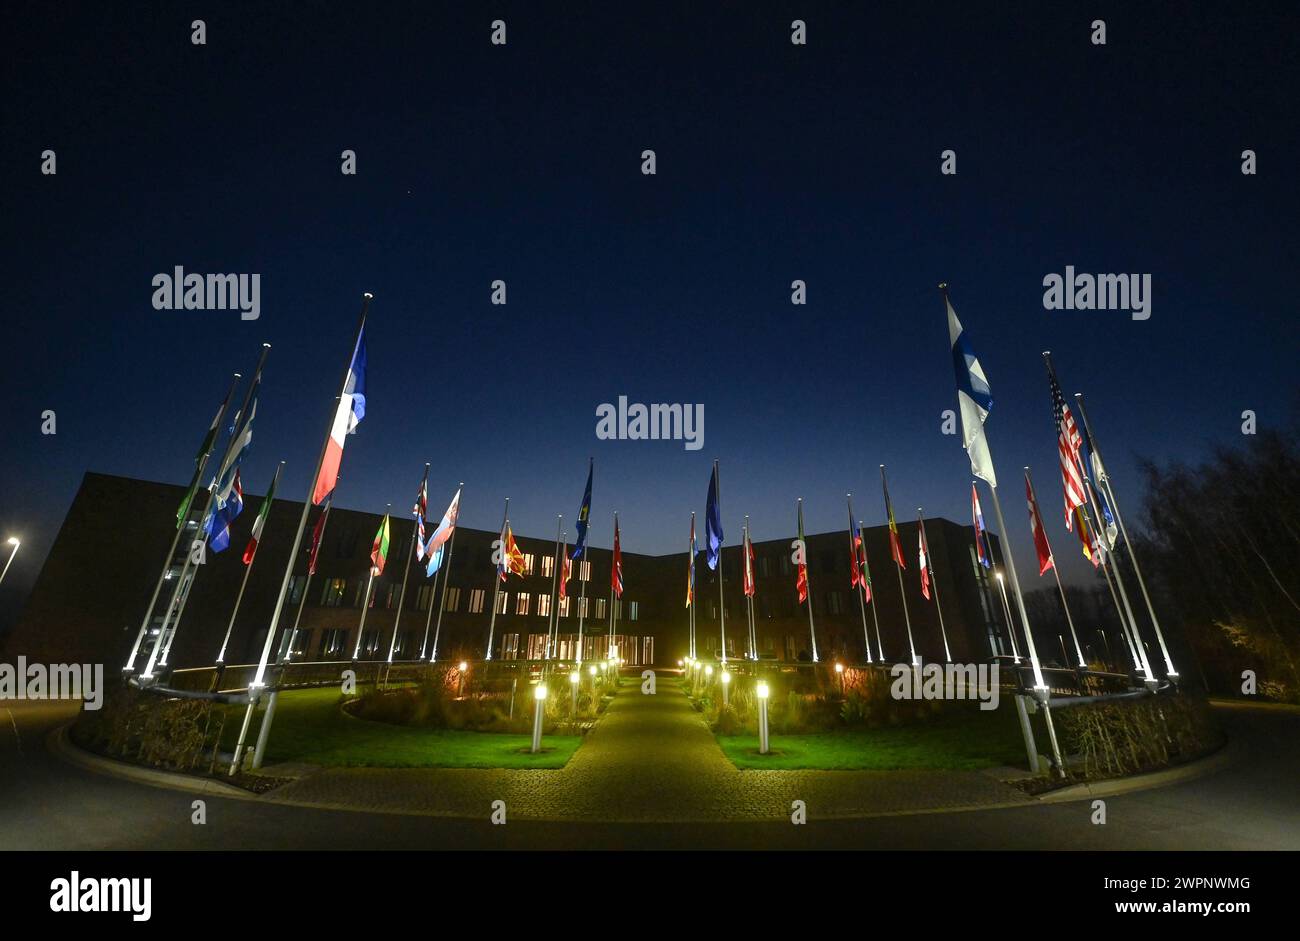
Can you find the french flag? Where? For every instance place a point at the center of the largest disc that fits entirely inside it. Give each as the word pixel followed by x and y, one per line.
pixel 352 408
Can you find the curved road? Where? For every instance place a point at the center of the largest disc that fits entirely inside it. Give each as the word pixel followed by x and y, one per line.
pixel 46 803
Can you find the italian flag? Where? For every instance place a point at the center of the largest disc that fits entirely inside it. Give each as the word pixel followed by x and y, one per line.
pixel 260 523
pixel 379 552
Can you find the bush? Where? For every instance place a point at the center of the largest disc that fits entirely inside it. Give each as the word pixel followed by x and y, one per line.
pixel 1132 735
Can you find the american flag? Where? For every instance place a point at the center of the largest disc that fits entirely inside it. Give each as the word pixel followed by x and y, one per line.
pixel 1068 442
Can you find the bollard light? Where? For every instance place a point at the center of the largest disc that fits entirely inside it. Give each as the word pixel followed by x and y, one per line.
pixel 839 668
pixel 592 669
pixel 539 708
pixel 726 677
pixel 726 682
pixel 463 666
pixel 708 671
pixel 574 677
pixel 762 692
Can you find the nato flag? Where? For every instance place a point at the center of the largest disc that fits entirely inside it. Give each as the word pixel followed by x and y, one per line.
pixel 713 521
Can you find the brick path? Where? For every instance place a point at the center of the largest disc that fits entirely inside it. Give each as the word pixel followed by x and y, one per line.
pixel 650 759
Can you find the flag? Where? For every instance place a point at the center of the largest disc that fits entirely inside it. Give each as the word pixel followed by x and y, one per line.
pixel 350 411
pixel 512 559
pixel 857 555
pixel 801 578
pixel 379 551
pixel 566 567
pixel 748 582
pixel 713 522
pixel 865 578
pixel 1068 442
pixel 690 567
pixel 924 561
pixel 616 568
pixel 1109 530
pixel 1091 551
pixel 895 543
pixel 205 449
pixel 260 523
pixel 317 532
pixel 1045 560
pixel 982 551
pixel 421 510
pixel 584 513
pixel 434 547
pixel 221 518
pixel 974 399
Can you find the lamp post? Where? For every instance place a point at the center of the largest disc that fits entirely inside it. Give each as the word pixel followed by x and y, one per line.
pixel 726 682
pixel 539 707
pixel 762 692
pixel 461 668
pixel 839 672
pixel 15 543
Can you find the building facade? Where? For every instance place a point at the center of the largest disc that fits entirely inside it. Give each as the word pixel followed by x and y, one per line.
pixel 94 588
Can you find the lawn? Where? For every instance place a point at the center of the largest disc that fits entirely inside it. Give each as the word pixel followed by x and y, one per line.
pixel 960 740
pixel 310 727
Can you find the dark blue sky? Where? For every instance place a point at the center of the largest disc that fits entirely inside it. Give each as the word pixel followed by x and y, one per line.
pixel 522 162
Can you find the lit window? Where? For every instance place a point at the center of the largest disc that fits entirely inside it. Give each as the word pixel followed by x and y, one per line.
pixel 475 600
pixel 451 599
pixel 584 571
pixel 632 610
pixel 529 559
pixel 521 602
pixel 501 599
pixel 584 607
pixel 548 565
pixel 331 595
pixel 563 607
pixel 543 606
pixel 600 607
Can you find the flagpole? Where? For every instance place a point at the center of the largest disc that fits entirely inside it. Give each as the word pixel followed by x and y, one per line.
pixel 1006 611
pixel 611 592
pixel 446 579
pixel 807 578
pixel 896 540
pixel 180 528
pixel 258 678
pixel 555 575
pixel 749 597
pixel 244 581
pixel 169 634
pixel 582 605
pixel 401 595
pixel 934 582
pixel 497 579
pixel 170 623
pixel 722 604
pixel 1143 660
pixel 1114 505
pixel 691 570
pixel 864 585
pixel 365 606
pixel 1083 664
pixel 302 601
pixel 853 554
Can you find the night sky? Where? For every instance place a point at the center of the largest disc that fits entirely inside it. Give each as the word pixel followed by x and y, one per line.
pixel 522 162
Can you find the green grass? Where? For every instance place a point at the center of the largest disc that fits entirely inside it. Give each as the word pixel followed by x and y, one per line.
pixel 310 727
pixel 959 740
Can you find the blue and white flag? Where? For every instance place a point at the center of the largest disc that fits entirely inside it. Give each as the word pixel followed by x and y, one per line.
pixel 438 541
pixel 225 514
pixel 974 399
pixel 713 522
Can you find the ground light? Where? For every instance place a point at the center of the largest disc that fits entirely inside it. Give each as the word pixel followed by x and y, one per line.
pixel 762 692
pixel 539 708
pixel 839 670
pixel 575 678
pixel 726 682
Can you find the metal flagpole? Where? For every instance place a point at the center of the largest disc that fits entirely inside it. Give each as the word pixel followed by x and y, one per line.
pixel 862 599
pixel 1104 480
pixel 722 605
pixel 934 583
pixel 172 617
pixel 1006 611
pixel 497 576
pixel 1083 664
pixel 176 536
pixel 221 656
pixel 611 592
pixel 1143 660
pixel 446 578
pixel 749 568
pixel 582 604
pixel 866 580
pixel 401 595
pixel 1040 687
pixel 556 562
pixel 365 606
pixel 302 601
pixel 691 566
pixel 297 544
pixel 897 539
pixel 807 576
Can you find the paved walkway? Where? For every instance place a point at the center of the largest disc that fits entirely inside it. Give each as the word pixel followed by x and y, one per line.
pixel 650 759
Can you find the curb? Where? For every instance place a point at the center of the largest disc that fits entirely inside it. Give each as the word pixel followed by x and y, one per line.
pixel 1216 761
pixel 61 746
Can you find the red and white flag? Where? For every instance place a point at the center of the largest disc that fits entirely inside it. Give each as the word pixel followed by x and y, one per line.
pixel 1045 561
pixel 924 562
pixel 351 409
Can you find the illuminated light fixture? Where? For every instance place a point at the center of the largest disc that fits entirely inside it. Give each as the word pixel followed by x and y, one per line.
pixel 839 668
pixel 708 671
pixel 726 676
pixel 539 692
pixel 762 691
pixel 592 669
pixel 575 677
pixel 463 666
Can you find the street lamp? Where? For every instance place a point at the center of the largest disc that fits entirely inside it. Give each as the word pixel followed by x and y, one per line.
pixel 762 693
pixel 839 670
pixel 13 541
pixel 539 707
pixel 462 667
